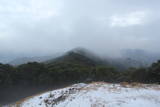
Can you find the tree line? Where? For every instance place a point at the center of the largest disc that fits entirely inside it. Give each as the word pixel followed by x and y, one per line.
pixel 35 73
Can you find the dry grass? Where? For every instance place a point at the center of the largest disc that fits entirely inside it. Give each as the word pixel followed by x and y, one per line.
pixel 94 86
pixel 124 84
pixel 133 85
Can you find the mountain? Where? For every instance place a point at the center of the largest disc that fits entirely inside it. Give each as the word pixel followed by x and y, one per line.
pixel 133 58
pixel 143 57
pixel 130 58
pixel 84 56
pixel 78 56
pixel 125 63
pixel 24 60
pixel 97 94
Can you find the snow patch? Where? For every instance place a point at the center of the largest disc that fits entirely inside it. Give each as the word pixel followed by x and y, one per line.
pixel 98 95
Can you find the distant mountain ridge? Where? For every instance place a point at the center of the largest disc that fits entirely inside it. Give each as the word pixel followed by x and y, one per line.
pixel 130 58
pixel 23 60
pixel 144 57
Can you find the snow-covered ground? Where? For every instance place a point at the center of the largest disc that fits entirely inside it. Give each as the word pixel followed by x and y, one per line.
pixel 98 94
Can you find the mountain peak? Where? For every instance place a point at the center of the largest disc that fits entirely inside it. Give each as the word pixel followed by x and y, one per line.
pixel 81 50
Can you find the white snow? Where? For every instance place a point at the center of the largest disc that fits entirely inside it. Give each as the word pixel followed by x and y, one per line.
pixel 98 94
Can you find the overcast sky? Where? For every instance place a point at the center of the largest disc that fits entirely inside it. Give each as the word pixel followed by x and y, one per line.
pixel 41 27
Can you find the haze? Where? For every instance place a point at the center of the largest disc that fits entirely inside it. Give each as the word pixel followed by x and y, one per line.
pixel 45 27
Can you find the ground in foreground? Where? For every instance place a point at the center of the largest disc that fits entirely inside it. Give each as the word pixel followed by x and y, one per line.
pixel 98 94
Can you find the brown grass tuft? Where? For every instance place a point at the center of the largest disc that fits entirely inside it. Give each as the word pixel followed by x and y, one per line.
pixel 124 84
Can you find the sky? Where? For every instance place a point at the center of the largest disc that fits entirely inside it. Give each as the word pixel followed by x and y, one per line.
pixel 42 27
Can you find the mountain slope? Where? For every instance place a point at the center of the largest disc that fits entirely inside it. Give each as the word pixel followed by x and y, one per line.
pixel 78 56
pixel 72 57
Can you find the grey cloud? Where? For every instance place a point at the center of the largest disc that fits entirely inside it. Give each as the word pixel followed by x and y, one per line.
pixel 37 27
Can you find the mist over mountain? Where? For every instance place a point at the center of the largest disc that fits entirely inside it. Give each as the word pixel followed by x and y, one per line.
pixel 128 58
pixel 24 60
pixel 82 52
pixel 145 57
pixel 36 28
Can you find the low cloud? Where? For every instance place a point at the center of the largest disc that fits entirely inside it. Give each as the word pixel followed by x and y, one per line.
pixel 38 27
pixel 133 18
